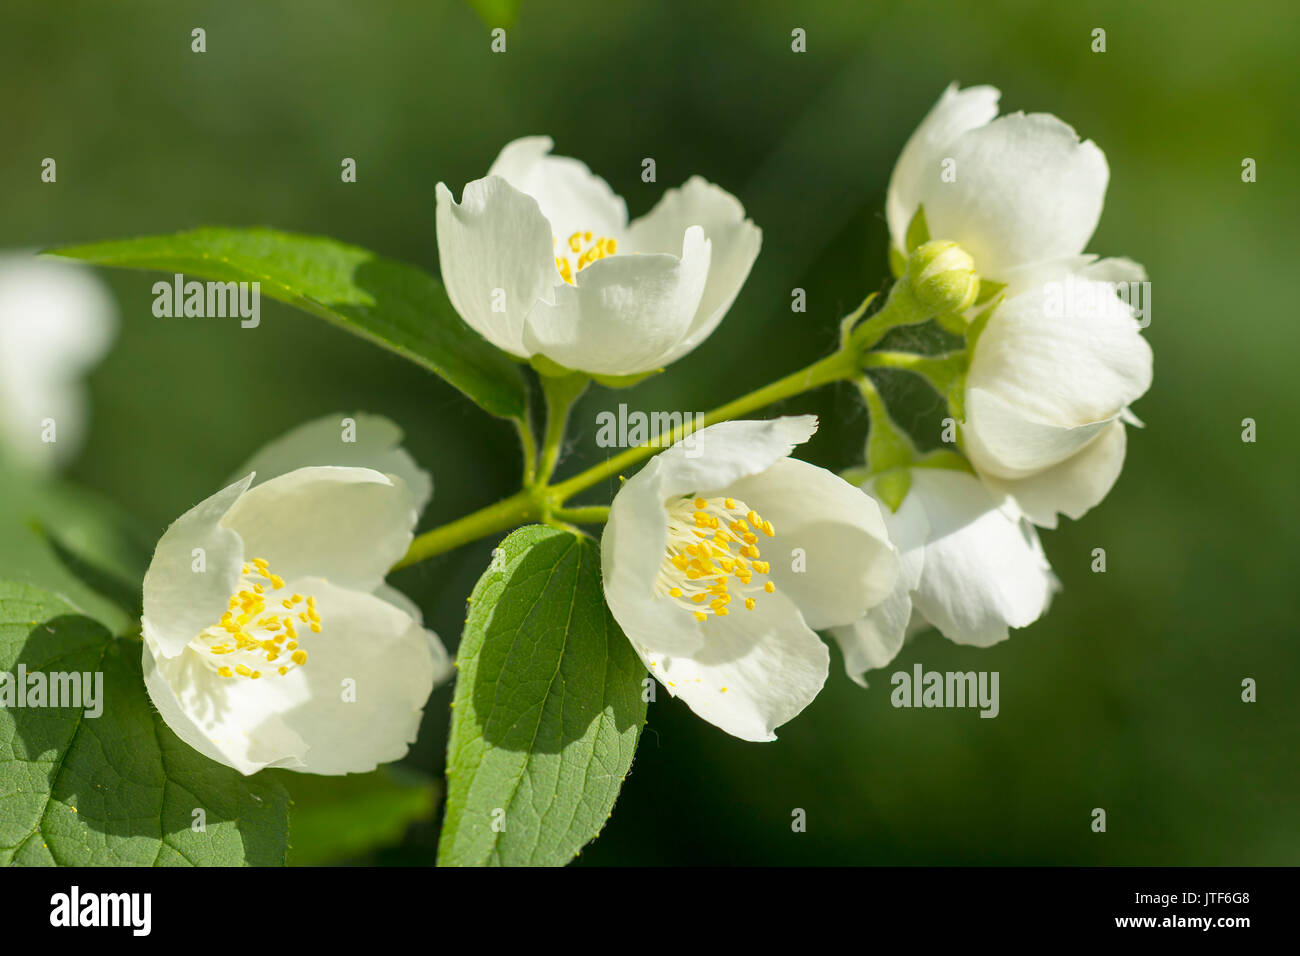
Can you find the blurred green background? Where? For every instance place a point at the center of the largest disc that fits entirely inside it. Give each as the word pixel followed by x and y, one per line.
pixel 1126 696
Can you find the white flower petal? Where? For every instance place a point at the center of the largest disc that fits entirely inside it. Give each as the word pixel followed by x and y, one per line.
pixel 377 446
pixel 716 457
pixel 1072 487
pixel 984 568
pixel 179 601
pixel 1054 365
pixel 496 251
pixel 1026 190
pixel 442 663
pixel 348 525
pixel 848 562
pixel 747 673
pixel 1002 440
pixel 874 639
pixel 956 112
pixel 735 242
pixel 571 197
pixel 1080 366
pixel 626 312
pixel 713 458
pixel 57 319
pixel 303 720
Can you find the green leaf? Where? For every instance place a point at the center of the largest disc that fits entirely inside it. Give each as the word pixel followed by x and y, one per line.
pixel 118 788
pixel 548 707
pixel 333 818
pixel 391 304
pixel 122 589
pixel 94 538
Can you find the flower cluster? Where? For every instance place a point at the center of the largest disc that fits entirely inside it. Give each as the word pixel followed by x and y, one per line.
pixel 271 639
pixel 988 221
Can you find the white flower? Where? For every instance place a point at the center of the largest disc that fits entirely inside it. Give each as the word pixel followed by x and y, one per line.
pixel 970 565
pixel 1048 389
pixel 719 567
pixel 1053 372
pixel 56 321
pixel 540 259
pixel 277 643
pixel 1010 191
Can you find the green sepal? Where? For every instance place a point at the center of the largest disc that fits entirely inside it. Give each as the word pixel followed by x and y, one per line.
pixel 988 289
pixel 946 460
pixel 624 381
pixel 897 262
pixel 918 233
pixel 892 487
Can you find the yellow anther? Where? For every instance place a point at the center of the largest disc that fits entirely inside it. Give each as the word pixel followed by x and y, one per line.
pixel 580 250
pixel 769 587
pixel 699 570
pixel 257 636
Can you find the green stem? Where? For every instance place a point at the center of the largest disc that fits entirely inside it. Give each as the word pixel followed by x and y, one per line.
pixel 901 308
pixel 941 371
pixel 538 501
pixel 594 514
pixel 561 392
pixel 519 508
pixel 834 368
pixel 529 444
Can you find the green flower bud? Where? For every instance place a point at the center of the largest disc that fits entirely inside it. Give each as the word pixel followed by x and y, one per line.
pixel 942 276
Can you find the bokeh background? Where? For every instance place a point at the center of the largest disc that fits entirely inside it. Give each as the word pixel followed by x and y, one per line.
pixel 1127 696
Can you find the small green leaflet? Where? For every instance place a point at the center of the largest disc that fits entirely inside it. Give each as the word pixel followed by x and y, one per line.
pixel 548 707
pixel 391 304
pixel 120 788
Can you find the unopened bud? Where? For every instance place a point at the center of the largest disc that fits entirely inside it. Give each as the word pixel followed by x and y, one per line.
pixel 942 277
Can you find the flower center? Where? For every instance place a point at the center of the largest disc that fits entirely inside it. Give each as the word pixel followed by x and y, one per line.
pixel 712 552
pixel 259 628
pixel 580 251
